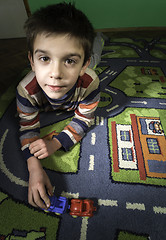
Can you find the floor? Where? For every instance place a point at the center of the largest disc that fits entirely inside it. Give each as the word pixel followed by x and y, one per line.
pixel 13 55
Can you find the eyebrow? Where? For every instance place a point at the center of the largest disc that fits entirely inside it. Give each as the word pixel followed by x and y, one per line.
pixel 68 55
pixel 40 51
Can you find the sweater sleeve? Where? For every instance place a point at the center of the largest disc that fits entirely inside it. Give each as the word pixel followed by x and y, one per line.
pixel 29 119
pixel 84 115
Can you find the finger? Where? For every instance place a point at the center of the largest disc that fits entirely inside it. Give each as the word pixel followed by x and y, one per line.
pixel 46 200
pixel 49 188
pixel 44 155
pixel 39 153
pixel 35 149
pixel 38 144
pixel 38 200
pixel 33 144
pixel 30 199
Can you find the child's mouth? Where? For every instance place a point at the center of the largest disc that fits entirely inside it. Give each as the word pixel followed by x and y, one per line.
pixel 55 88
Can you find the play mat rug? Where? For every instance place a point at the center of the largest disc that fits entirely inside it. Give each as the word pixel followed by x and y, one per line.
pixel 120 164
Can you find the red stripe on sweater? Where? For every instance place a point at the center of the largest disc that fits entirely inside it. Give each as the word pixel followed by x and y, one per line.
pixel 33 87
pixel 84 81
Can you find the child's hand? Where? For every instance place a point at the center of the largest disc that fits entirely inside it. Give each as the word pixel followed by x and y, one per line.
pixel 43 148
pixel 39 185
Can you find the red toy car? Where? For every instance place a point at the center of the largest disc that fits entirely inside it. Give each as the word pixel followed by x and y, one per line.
pixel 82 208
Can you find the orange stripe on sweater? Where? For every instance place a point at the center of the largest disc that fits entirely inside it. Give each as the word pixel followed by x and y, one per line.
pixel 89 106
pixel 73 132
pixel 81 115
pixel 29 140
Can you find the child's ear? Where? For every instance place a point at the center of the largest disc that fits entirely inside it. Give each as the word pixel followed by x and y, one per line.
pixel 84 67
pixel 30 57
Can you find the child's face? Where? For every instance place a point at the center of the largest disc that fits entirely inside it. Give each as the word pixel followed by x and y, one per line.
pixel 57 62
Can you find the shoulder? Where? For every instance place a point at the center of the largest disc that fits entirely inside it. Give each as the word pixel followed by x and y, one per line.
pixel 89 78
pixel 29 84
pixel 91 73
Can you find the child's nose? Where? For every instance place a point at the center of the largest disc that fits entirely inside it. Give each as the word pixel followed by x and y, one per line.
pixel 56 71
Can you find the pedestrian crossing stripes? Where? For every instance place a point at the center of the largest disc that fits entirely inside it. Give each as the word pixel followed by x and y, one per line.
pixel 111 72
pixel 98 121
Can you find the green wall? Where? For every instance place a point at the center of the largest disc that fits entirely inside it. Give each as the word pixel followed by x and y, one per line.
pixel 117 13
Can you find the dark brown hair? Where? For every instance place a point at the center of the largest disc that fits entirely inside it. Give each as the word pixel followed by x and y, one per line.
pixel 62 18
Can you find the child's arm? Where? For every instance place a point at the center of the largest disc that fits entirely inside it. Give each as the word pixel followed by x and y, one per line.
pixel 84 114
pixel 28 107
pixel 39 184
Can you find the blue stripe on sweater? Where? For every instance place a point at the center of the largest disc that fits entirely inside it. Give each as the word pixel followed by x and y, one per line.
pixel 24 101
pixel 83 125
pixel 65 140
pixel 91 96
pixel 25 132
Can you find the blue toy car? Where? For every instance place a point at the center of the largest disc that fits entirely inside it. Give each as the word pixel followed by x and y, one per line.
pixel 59 205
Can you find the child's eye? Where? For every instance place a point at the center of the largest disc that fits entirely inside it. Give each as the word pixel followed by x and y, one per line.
pixel 44 59
pixel 70 61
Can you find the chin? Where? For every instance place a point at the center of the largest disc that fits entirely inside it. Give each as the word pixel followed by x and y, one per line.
pixel 54 95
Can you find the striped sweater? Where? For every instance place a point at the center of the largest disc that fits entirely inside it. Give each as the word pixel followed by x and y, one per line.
pixel 83 98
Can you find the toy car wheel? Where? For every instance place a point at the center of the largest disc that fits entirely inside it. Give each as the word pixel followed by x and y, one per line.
pixel 58 214
pixel 74 216
pixel 46 211
pixel 86 217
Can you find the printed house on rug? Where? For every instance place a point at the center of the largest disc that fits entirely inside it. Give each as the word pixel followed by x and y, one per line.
pixel 140 146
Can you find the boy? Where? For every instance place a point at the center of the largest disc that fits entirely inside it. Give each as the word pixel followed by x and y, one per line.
pixel 59 41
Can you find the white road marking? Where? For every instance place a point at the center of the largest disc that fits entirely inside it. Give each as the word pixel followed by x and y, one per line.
pixel 114 73
pixel 111 72
pixel 102 121
pixel 161 210
pixel 91 162
pixel 110 91
pixel 114 107
pixel 93 138
pixel 146 61
pixel 108 203
pixel 143 102
pixel 135 206
pixel 70 195
pixel 162 103
pixel 103 78
pixel 155 61
pixel 97 120
pixel 107 71
pixel 84 227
